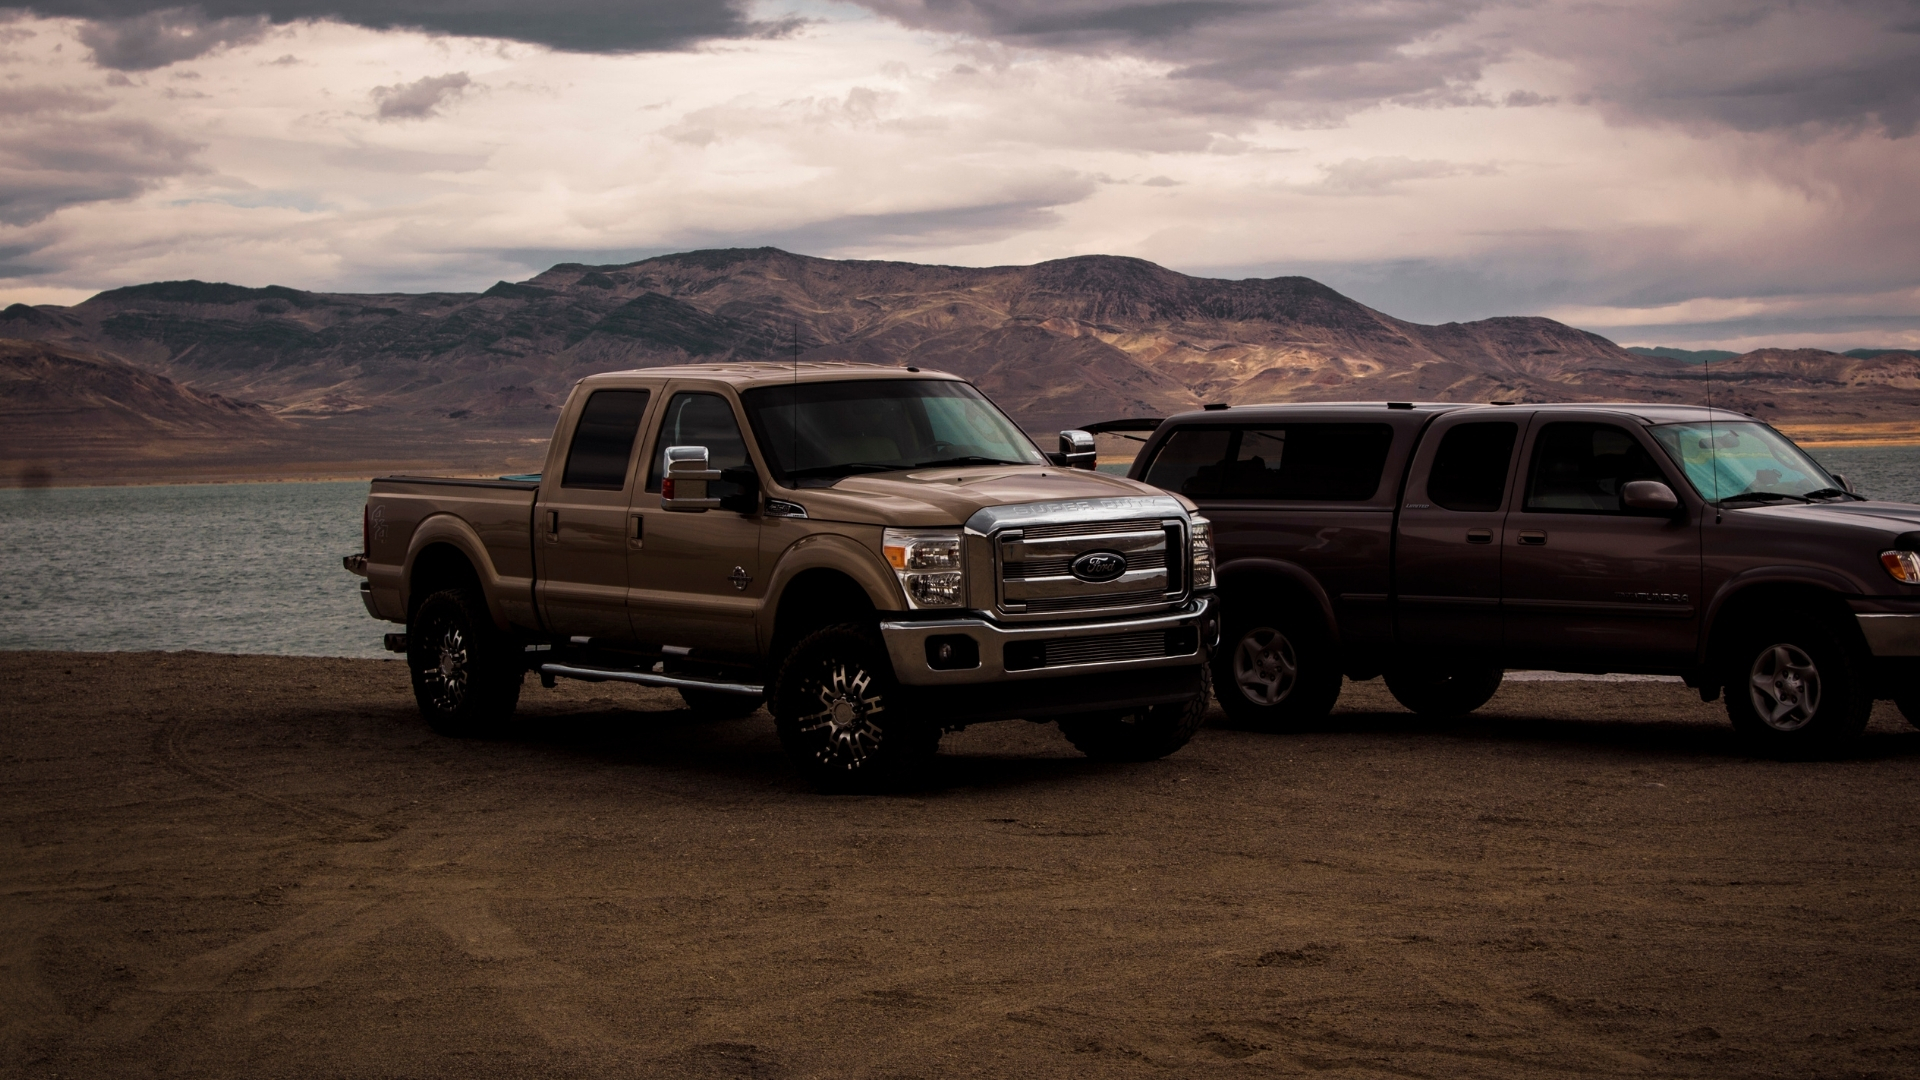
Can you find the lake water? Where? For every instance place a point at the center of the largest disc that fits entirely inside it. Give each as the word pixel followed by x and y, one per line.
pixel 255 568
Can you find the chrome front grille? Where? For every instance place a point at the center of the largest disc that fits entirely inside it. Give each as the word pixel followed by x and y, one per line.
pixel 1065 652
pixel 1036 565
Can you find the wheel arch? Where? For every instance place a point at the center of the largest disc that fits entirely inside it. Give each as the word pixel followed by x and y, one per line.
pixel 446 553
pixel 1275 578
pixel 812 597
pixel 1769 593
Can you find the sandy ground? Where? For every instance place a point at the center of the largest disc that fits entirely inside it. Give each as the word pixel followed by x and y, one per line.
pixel 270 868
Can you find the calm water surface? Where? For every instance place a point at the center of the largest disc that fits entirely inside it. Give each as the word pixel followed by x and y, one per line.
pixel 255 568
pixel 241 568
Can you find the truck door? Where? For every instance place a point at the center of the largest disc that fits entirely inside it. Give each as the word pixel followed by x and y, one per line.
pixel 1447 552
pixel 1586 583
pixel 580 520
pixel 696 576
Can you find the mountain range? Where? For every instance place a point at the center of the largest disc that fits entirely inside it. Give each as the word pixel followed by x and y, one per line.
pixel 1058 344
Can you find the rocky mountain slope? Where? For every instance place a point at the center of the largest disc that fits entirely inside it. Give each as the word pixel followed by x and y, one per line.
pixel 1057 343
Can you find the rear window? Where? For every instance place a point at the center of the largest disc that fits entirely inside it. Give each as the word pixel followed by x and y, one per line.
pixel 1470 471
pixel 603 440
pixel 1316 462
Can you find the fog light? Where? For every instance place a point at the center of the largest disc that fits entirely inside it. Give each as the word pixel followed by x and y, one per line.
pixel 952 652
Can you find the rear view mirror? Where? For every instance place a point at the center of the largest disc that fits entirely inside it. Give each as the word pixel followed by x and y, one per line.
pixel 684 488
pixel 1649 496
pixel 1077 450
pixel 1840 481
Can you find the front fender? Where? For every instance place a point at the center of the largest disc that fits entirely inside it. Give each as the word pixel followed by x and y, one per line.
pixel 1242 575
pixel 831 551
pixel 1815 577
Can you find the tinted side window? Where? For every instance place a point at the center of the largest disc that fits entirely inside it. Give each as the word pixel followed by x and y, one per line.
pixel 1470 471
pixel 1322 462
pixel 1581 468
pixel 700 420
pixel 603 440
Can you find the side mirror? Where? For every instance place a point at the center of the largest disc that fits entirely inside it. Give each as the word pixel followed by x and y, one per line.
pixel 1649 496
pixel 1845 484
pixel 1077 451
pixel 684 488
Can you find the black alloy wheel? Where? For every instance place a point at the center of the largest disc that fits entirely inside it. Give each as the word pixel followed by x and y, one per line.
pixel 1795 689
pixel 1448 689
pixel 1145 734
pixel 841 716
pixel 1275 670
pixel 466 675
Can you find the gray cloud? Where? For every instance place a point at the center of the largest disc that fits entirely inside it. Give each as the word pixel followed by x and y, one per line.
pixel 55 152
pixel 158 38
pixel 1846 64
pixel 141 34
pixel 420 98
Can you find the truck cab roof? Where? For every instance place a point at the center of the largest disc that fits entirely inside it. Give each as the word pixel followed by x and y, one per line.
pixel 746 374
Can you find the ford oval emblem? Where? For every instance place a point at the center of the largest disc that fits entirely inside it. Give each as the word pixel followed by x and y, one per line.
pixel 1098 566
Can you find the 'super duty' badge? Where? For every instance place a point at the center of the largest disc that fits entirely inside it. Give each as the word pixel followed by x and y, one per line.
pixel 1099 566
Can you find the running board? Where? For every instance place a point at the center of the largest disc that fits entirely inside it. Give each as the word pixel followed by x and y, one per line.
pixel 648 678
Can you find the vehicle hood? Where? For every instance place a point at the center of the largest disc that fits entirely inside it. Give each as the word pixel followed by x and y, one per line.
pixel 948 497
pixel 1892 517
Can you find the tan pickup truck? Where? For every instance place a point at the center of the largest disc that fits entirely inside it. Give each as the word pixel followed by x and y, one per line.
pixel 879 554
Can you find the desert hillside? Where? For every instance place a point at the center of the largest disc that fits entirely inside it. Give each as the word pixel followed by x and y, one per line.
pixel 1057 343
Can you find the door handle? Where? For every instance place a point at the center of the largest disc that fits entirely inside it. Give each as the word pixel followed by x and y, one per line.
pixel 1534 539
pixel 638 532
pixel 1479 536
pixel 553 525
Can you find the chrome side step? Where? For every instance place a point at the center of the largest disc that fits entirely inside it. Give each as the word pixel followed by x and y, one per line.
pixel 648 678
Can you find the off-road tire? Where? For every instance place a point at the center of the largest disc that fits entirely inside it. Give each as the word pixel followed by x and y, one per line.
pixel 1453 690
pixel 1275 670
pixel 466 673
pixel 1797 690
pixel 1145 734
pixel 710 705
pixel 842 717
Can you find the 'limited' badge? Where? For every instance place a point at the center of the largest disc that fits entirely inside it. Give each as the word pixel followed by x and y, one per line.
pixel 1098 566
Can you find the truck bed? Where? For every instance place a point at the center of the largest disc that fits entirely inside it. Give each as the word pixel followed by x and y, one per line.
pixel 498 513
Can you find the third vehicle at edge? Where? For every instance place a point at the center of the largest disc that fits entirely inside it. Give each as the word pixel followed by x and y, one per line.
pixel 1440 545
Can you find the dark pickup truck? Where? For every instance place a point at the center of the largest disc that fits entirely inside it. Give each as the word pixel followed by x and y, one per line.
pixel 1439 545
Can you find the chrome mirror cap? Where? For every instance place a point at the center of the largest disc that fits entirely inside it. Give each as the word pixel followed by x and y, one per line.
pixel 684 488
pixel 1077 450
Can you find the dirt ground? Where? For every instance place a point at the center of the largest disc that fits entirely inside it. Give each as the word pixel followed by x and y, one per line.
pixel 267 867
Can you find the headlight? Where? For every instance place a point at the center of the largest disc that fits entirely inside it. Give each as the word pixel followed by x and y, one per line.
pixel 931 564
pixel 1903 565
pixel 1202 553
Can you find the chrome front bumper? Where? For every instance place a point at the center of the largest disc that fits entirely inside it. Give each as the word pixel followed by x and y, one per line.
pixel 1891 635
pixel 907 645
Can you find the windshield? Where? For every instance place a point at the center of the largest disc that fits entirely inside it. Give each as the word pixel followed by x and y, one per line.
pixel 1732 461
pixel 821 432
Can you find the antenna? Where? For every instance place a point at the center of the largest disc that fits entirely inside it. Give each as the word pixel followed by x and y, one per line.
pixel 793 406
pixel 1713 439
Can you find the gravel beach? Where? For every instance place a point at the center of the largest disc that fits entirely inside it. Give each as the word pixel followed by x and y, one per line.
pixel 236 865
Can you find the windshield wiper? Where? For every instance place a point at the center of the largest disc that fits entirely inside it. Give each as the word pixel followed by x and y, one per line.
pixel 1828 493
pixel 1764 496
pixel 970 459
pixel 845 468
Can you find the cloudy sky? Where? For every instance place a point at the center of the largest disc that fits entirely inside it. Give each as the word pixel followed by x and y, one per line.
pixel 1701 173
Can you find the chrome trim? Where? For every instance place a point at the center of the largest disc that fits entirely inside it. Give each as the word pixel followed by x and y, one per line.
pixel 1891 635
pixel 648 678
pixel 906 644
pixel 994 518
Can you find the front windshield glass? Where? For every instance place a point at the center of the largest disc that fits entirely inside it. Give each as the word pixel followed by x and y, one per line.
pixel 821 432
pixel 1734 461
